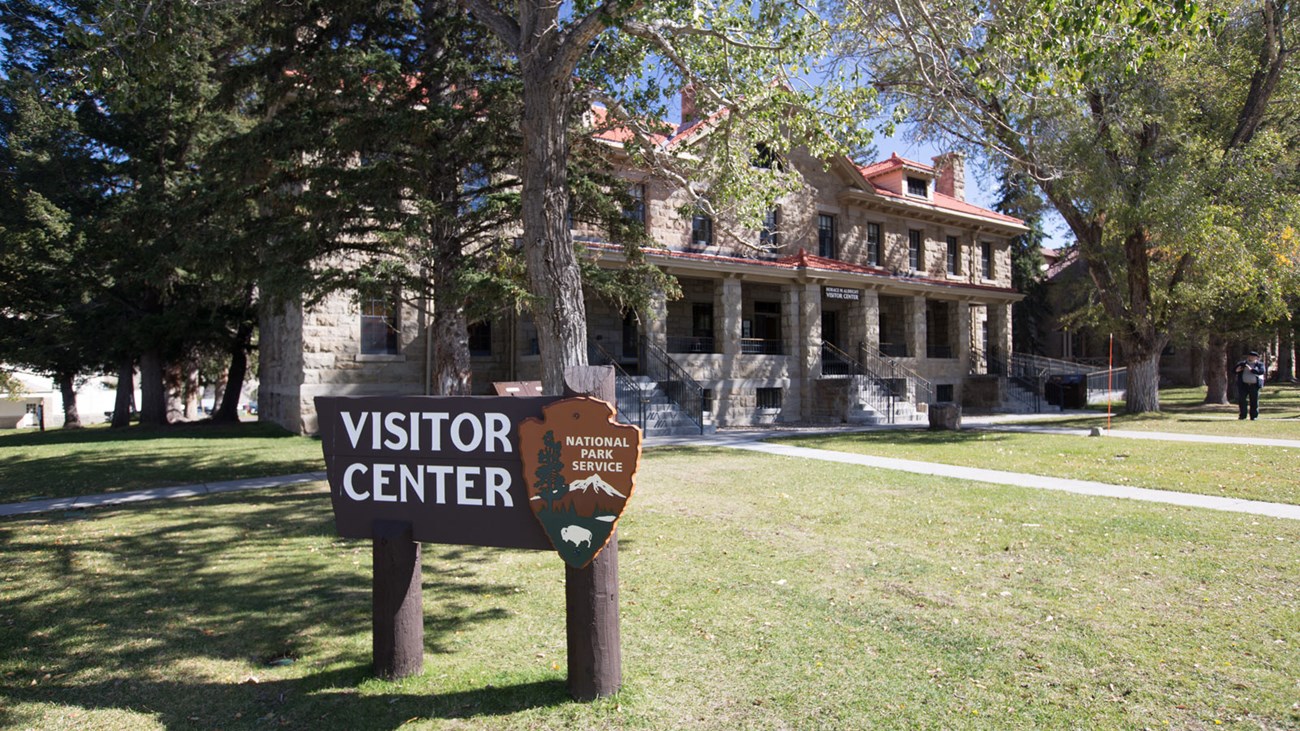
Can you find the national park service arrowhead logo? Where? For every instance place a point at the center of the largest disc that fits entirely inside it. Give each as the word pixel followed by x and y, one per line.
pixel 580 469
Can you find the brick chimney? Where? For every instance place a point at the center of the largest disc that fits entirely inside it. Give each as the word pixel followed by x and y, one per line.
pixel 950 174
pixel 689 114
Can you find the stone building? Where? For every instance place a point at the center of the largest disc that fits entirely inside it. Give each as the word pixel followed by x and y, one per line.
pixel 874 285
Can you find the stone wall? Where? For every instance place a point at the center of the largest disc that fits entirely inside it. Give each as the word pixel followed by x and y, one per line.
pixel 305 354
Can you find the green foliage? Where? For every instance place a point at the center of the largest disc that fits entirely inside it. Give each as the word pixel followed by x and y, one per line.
pixel 1137 120
pixel 1020 198
pixel 387 133
pixel 761 79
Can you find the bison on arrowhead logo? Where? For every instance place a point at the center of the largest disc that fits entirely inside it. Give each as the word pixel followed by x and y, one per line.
pixel 580 469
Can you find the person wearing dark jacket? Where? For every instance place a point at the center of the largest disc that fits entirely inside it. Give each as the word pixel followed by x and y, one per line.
pixel 1250 378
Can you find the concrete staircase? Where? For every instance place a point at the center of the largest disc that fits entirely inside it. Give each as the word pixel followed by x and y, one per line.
pixel 1016 399
pixel 640 395
pixel 870 404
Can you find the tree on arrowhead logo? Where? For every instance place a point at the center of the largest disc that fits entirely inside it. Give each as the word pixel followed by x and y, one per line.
pixel 580 469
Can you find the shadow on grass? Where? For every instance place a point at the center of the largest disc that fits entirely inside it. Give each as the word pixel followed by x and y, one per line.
pixel 323 700
pixel 66 464
pixel 103 616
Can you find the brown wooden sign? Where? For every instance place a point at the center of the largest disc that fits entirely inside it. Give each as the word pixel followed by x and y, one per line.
pixel 449 466
pixel 580 467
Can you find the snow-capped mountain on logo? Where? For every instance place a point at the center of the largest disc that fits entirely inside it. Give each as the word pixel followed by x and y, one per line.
pixel 597 485
pixel 591 497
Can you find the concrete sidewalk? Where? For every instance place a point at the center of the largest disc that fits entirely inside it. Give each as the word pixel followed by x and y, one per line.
pixel 1038 482
pixel 157 493
pixel 1160 436
pixel 754 440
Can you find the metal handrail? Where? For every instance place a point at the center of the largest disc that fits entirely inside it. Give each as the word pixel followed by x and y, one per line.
pixel 1108 382
pixel 917 388
pixel 1050 366
pixel 625 388
pixel 675 382
pixel 1028 372
pixel 875 391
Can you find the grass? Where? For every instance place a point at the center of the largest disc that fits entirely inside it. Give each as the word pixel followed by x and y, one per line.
pixel 757 592
pixel 1249 472
pixel 1183 411
pixel 57 464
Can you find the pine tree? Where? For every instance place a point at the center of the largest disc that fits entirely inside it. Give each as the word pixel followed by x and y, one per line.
pixel 550 482
pixel 1018 197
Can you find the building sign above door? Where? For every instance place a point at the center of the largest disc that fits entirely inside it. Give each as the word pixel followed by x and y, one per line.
pixel 841 293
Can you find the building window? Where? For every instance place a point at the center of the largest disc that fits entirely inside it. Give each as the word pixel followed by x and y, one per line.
pixel 918 187
pixel 915 254
pixel 826 236
pixel 635 210
pixel 767 238
pixel 762 335
pixel 768 398
pixel 954 256
pixel 873 244
pixel 943 392
pixel 480 338
pixel 706 400
pixel 702 319
pixel 986 258
pixel 701 230
pixel 379 325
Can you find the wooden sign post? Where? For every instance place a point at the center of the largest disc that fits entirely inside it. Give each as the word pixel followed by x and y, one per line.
pixel 591 593
pixel 406 470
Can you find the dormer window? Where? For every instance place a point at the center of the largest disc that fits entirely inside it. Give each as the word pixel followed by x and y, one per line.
pixel 767 237
pixel 919 187
pixel 701 230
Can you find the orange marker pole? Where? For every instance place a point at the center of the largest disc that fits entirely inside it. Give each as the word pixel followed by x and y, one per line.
pixel 1110 374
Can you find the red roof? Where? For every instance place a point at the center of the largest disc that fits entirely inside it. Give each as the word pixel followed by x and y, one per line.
pixel 939 200
pixel 879 168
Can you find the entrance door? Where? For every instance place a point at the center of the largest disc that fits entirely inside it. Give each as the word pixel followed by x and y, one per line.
pixel 831 328
pixel 631 343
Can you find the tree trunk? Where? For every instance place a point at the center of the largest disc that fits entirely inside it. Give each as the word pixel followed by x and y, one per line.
pixel 1196 368
pixel 228 411
pixel 153 390
pixel 1143 394
pixel 553 274
pixel 68 389
pixel 1286 352
pixel 125 401
pixel 1216 370
pixel 450 370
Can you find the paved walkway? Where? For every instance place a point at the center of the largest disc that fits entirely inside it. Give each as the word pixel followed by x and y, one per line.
pixel 754 440
pixel 998 477
pixel 157 493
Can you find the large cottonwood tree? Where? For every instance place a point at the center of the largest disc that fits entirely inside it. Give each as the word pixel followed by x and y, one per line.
pixel 744 61
pixel 1099 104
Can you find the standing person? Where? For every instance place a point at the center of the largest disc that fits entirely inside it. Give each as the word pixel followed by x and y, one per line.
pixel 1250 378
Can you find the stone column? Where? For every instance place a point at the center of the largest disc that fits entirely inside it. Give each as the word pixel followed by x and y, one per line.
pixel 809 340
pixel 870 322
pixel 791 337
pixel 654 320
pixel 728 313
pixel 999 325
pixel 962 342
pixel 914 324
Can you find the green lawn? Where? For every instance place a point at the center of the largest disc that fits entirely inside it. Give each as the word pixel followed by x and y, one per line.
pixel 60 463
pixel 757 592
pixel 1239 471
pixel 1183 411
